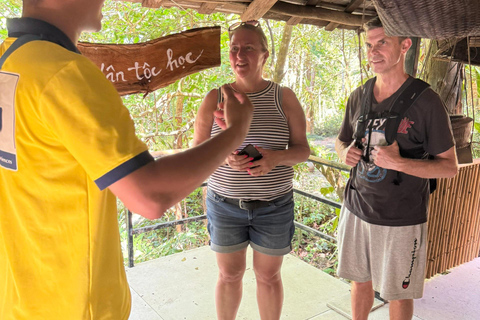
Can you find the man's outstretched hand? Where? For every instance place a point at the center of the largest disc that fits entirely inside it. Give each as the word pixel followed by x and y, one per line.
pixel 235 111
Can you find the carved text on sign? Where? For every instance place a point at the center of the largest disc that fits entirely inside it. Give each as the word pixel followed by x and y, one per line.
pixel 145 67
pixel 146 71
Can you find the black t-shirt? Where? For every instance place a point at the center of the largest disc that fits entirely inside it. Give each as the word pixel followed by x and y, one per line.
pixel 386 197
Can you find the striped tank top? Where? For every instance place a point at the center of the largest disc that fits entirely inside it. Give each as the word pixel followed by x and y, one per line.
pixel 268 130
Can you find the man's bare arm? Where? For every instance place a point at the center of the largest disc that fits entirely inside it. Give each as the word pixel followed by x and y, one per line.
pixel 444 165
pixel 154 188
pixel 348 152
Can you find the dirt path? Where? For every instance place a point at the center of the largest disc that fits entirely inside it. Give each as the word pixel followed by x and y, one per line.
pixel 327 142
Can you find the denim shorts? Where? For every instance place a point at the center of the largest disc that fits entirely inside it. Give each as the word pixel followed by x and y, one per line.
pixel 269 230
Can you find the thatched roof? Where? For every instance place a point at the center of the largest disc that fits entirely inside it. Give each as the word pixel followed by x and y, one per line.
pixel 434 19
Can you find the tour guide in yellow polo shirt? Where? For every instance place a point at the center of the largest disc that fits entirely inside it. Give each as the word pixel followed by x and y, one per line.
pixel 60 255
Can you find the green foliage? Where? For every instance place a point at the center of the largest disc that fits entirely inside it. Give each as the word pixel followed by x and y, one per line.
pixel 475 76
pixel 166 241
pixel 314 250
pixel 8 9
pixel 331 124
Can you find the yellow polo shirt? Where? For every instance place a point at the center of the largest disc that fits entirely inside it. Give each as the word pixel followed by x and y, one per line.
pixel 60 255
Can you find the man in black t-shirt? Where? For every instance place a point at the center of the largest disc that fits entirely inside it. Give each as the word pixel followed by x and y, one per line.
pixel 382 232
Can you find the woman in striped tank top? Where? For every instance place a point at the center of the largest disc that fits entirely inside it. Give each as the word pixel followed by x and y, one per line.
pixel 251 202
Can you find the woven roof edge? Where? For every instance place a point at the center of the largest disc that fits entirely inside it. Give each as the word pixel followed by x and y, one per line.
pixel 430 19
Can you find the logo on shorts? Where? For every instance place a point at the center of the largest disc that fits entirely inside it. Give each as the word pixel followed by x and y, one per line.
pixel 406 281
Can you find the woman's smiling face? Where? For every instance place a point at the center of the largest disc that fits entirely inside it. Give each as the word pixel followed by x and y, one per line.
pixel 247 56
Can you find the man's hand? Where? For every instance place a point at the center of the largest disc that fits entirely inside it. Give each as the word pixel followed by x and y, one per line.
pixel 236 111
pixel 387 157
pixel 349 154
pixel 353 155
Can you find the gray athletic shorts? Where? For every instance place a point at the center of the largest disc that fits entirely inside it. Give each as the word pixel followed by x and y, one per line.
pixel 393 258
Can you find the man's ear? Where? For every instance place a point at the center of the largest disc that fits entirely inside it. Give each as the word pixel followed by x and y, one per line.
pixel 406 44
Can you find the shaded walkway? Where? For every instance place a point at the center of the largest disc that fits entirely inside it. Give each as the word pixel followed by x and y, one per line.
pixel 181 286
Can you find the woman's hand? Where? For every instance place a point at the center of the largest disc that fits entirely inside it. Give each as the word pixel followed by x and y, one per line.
pixel 264 165
pixel 239 162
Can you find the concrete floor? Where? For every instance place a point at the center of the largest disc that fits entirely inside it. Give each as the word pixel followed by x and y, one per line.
pixel 454 296
pixel 181 286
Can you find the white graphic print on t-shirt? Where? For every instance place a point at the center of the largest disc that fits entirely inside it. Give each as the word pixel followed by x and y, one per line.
pixel 367 170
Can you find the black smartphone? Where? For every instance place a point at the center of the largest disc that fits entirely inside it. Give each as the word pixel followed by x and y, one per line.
pixel 251 151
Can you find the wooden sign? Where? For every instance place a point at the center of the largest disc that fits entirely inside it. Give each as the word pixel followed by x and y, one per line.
pixel 148 66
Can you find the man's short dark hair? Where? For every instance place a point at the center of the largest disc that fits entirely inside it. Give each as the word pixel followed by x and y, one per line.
pixel 373 24
pixel 377 23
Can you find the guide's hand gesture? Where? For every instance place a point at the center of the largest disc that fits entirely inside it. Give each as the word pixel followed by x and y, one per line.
pixel 236 111
pixel 239 162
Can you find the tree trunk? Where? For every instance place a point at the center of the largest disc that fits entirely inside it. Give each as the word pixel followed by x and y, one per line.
pixel 178 120
pixel 179 215
pixel 282 54
pixel 309 112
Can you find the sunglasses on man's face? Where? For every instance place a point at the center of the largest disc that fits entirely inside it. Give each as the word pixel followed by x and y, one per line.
pixel 254 23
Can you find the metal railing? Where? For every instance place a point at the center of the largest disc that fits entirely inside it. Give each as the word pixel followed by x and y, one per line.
pixel 135 231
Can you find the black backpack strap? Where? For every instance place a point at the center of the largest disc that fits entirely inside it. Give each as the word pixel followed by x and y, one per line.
pixel 401 105
pixel 366 105
pixel 17 44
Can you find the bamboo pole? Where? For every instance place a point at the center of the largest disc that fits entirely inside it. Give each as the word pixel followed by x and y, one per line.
pixel 456 224
pixel 442 215
pixel 463 218
pixel 432 227
pixel 471 214
pixel 475 224
pixel 442 232
pixel 458 221
pixel 447 222
pixel 464 214
pixel 468 218
pixel 475 236
pixel 432 222
pixel 434 219
pixel 436 231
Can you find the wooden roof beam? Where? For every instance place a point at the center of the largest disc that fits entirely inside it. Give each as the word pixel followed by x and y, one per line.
pixel 152 3
pixel 294 21
pixel 352 6
pixel 309 15
pixel 312 2
pixel 317 13
pixel 207 8
pixel 256 9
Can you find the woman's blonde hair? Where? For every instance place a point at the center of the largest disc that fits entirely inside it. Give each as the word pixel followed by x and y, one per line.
pixel 257 29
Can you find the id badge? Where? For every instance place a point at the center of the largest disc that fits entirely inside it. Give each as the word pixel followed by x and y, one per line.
pixel 8 150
